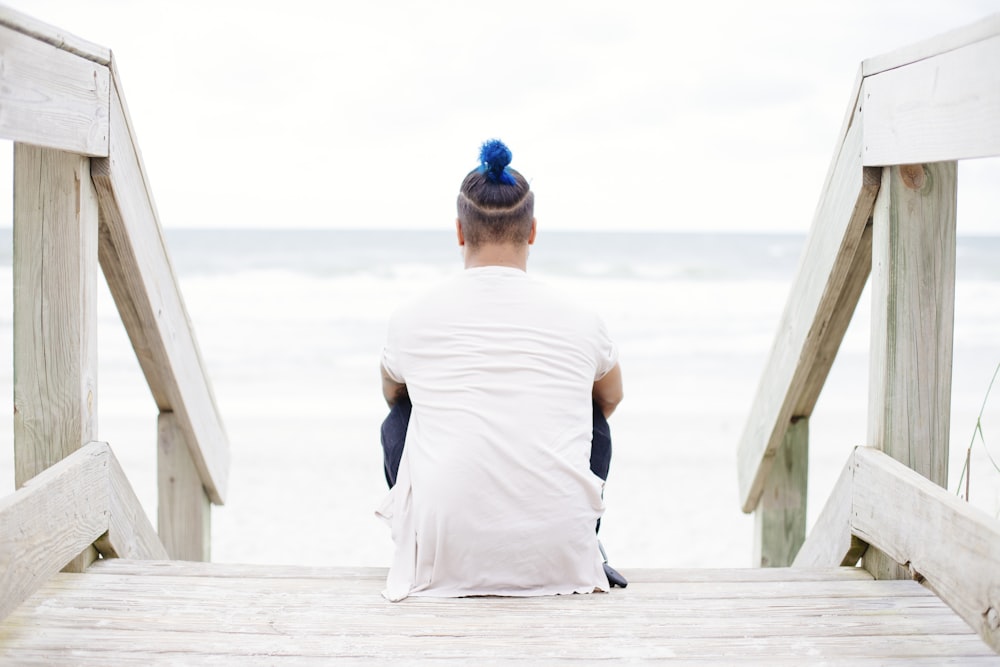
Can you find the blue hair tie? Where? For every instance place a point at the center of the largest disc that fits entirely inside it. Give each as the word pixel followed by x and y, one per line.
pixel 494 157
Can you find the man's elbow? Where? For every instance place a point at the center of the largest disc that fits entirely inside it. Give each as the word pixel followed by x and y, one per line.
pixel 608 391
pixel 608 404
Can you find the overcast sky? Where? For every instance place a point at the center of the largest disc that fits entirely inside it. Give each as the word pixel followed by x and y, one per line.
pixel 624 115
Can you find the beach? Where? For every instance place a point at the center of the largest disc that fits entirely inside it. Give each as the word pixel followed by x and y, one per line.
pixel 291 323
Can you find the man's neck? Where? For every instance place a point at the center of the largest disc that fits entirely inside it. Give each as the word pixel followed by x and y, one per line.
pixel 513 256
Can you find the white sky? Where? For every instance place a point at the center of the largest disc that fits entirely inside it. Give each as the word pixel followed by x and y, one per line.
pixel 624 115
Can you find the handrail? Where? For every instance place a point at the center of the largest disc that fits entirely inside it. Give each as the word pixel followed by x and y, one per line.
pixel 62 97
pixel 141 279
pixel 892 120
pixel 83 500
pixel 948 545
pixel 812 325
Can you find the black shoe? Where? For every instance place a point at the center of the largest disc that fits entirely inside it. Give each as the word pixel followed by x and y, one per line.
pixel 614 578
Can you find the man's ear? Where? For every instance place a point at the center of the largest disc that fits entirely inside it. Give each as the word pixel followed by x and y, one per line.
pixel 534 230
pixel 458 229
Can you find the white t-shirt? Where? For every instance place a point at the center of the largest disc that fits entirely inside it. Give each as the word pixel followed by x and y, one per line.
pixel 494 494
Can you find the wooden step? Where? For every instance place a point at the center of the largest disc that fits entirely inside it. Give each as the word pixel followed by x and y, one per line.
pixel 140 613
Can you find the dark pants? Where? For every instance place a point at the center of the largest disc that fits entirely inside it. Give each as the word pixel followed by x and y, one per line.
pixel 394 437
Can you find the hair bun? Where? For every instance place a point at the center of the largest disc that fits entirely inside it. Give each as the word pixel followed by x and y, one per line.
pixel 494 157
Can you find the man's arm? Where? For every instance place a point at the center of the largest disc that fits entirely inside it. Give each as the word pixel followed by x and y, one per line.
pixel 608 391
pixel 391 390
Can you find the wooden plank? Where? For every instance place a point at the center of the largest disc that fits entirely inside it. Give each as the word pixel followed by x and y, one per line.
pixel 55 311
pixel 50 34
pixel 721 595
pixel 134 258
pixel 950 41
pixel 55 308
pixel 943 108
pixel 795 362
pixel 780 518
pixel 912 324
pixel 831 542
pixel 836 327
pixel 50 97
pixel 130 533
pixel 377 574
pixel 257 610
pixel 51 519
pixel 194 620
pixel 913 314
pixel 143 659
pixel 184 510
pixel 953 547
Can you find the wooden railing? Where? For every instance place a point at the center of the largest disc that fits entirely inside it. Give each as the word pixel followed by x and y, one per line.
pixel 80 501
pixel 82 200
pixel 888 209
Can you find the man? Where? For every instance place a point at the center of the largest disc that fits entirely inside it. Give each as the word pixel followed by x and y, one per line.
pixel 495 491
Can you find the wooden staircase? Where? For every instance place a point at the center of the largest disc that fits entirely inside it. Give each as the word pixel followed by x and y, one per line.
pixel 930 590
pixel 125 612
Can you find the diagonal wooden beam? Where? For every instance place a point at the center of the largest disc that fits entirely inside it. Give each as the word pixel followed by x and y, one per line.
pixel 83 499
pixel 823 295
pixel 950 546
pixel 141 279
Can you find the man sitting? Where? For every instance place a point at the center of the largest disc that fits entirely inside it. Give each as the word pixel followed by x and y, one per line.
pixel 494 492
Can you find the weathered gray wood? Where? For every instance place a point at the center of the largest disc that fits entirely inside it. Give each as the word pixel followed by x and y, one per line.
pixel 130 533
pixel 934 46
pixel 55 308
pixel 953 547
pixel 55 311
pixel 108 616
pixel 831 542
pixel 800 354
pixel 943 108
pixel 137 267
pixel 50 520
pixel 50 34
pixel 345 575
pixel 836 327
pixel 184 511
pixel 50 97
pixel 912 323
pixel 780 518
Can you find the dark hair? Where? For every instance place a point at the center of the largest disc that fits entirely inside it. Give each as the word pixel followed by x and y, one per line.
pixel 495 202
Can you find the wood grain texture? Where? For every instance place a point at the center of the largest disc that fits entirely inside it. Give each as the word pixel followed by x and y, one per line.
pixel 139 274
pixel 912 324
pixel 130 532
pixel 780 518
pixel 952 547
pixel 50 97
pixel 831 542
pixel 55 308
pixel 944 108
pixel 913 314
pixel 800 355
pixel 934 46
pixel 54 36
pixel 184 512
pixel 198 613
pixel 50 520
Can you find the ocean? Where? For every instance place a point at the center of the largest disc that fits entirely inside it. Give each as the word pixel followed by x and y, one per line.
pixel 290 324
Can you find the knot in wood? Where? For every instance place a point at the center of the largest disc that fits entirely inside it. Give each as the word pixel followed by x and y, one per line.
pixel 913 176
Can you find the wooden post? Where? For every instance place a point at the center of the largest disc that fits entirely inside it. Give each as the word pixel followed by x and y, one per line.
pixel 184 512
pixel 913 310
pixel 780 519
pixel 55 311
